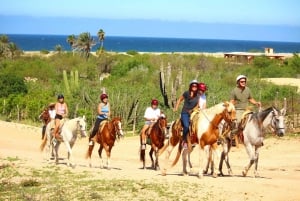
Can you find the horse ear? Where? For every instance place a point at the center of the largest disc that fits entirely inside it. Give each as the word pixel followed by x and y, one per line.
pixel 83 117
pixel 283 110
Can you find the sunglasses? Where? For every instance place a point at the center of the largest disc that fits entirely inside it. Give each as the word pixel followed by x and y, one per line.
pixel 194 85
pixel 242 81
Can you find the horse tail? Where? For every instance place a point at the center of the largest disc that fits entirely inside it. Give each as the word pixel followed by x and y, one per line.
pixel 42 146
pixel 177 155
pixel 163 148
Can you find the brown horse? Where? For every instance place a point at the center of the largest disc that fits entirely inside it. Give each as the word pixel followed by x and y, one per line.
pixel 156 139
pixel 175 138
pixel 45 117
pixel 206 126
pixel 106 136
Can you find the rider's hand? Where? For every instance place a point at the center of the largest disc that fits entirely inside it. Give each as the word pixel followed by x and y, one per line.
pixel 258 104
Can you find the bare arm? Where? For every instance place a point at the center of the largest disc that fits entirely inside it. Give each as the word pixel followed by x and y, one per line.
pixel 181 98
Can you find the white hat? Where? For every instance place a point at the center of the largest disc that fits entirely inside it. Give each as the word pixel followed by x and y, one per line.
pixel 240 77
pixel 194 82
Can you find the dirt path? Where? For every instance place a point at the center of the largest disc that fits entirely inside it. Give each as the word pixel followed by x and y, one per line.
pixel 279 165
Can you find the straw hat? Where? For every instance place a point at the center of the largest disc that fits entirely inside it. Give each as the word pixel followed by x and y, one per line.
pixel 51 105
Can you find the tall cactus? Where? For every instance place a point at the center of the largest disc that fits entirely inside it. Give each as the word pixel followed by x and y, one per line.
pixel 67 86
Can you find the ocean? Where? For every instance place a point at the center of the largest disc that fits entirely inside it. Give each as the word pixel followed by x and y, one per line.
pixel 147 44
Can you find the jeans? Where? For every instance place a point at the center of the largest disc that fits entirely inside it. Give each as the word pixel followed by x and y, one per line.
pixel 185 119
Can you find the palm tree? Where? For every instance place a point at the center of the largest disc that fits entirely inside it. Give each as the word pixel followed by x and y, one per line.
pixel 101 35
pixel 13 49
pixel 84 43
pixel 58 48
pixel 71 40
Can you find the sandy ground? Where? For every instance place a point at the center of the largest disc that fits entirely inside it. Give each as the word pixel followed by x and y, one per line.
pixel 285 81
pixel 279 165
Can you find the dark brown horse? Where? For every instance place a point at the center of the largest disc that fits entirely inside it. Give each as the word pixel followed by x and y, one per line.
pixel 106 136
pixel 45 117
pixel 156 139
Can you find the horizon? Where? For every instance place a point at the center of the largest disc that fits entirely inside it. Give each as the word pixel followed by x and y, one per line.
pixel 154 37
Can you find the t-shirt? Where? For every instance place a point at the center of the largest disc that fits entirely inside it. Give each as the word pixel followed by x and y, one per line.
pixel 151 113
pixel 241 97
pixel 189 102
pixel 202 101
pixel 52 114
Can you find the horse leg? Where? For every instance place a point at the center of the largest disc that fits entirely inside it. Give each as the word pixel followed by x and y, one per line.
pixel 100 153
pixel 56 147
pixel 226 158
pixel 256 161
pixel 156 160
pixel 142 149
pixel 216 158
pixel 185 152
pixel 208 159
pixel 69 149
pixel 89 154
pixel 108 151
pixel 152 161
pixel 250 151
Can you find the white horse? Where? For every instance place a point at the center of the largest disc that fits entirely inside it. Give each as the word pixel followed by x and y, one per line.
pixel 253 134
pixel 69 135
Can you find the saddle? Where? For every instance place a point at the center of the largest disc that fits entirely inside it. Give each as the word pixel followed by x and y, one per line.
pixel 244 119
pixel 101 126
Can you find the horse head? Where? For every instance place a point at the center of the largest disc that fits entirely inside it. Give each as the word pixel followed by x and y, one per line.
pixel 163 124
pixel 82 126
pixel 229 113
pixel 117 125
pixel 45 116
pixel 277 121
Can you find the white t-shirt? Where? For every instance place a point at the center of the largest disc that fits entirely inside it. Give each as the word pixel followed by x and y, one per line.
pixel 52 113
pixel 202 101
pixel 151 113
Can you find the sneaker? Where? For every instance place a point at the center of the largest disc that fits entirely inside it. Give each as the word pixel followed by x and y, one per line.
pixel 91 143
pixel 184 145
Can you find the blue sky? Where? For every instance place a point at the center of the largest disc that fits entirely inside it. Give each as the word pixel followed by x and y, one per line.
pixel 227 19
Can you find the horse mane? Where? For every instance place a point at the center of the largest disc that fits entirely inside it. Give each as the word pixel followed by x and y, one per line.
pixel 263 114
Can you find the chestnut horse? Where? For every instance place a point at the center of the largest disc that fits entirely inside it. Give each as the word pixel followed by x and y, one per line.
pixel 156 137
pixel 45 117
pixel 206 126
pixel 175 138
pixel 106 136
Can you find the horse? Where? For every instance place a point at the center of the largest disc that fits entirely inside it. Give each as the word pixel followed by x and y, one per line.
pixel 156 139
pixel 253 135
pixel 174 139
pixel 106 136
pixel 225 140
pixel 45 117
pixel 206 126
pixel 69 135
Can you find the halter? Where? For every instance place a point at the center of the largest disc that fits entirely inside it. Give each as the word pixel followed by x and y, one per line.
pixel 274 121
pixel 117 129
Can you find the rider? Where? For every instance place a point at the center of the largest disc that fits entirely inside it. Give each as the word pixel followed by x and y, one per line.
pixel 151 116
pixel 240 96
pixel 202 99
pixel 61 109
pixel 191 100
pixel 103 112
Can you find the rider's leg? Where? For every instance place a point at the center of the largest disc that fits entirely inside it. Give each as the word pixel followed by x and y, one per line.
pixel 56 129
pixel 185 118
pixel 144 136
pixel 94 131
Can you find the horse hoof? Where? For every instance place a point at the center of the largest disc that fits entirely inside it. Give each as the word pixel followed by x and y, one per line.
pixel 200 176
pixel 244 173
pixel 214 175
pixel 164 172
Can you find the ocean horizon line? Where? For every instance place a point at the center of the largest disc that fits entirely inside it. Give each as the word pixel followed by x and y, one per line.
pixel 153 37
pixel 37 42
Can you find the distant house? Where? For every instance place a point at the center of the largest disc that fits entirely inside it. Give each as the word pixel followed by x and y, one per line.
pixel 247 57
